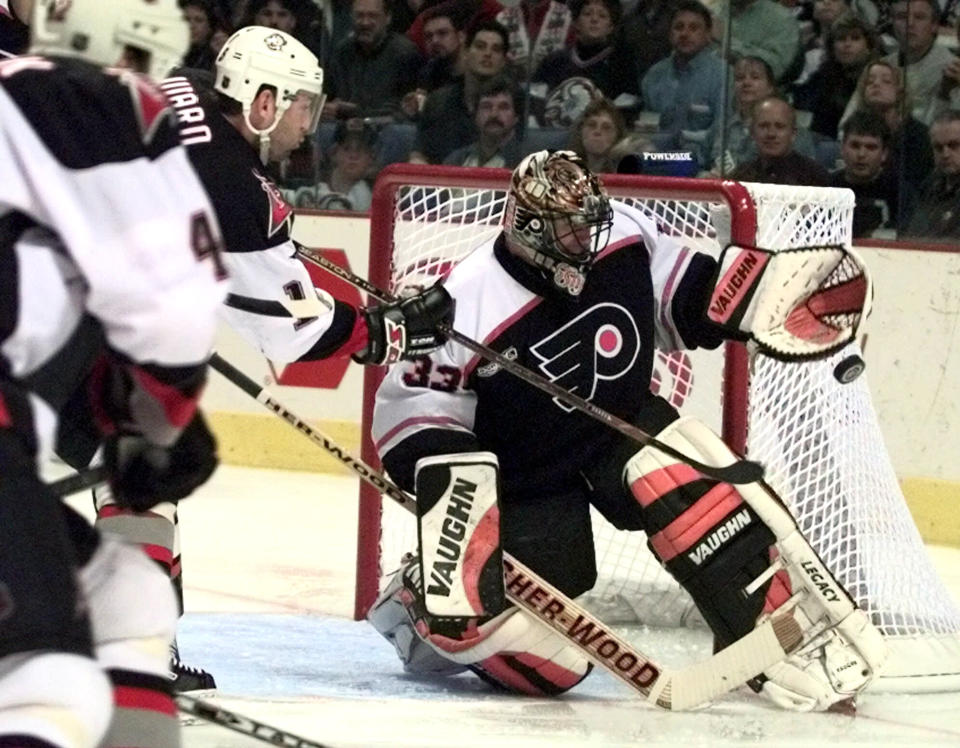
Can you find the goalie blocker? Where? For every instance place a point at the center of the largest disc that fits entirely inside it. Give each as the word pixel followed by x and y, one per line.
pixel 740 555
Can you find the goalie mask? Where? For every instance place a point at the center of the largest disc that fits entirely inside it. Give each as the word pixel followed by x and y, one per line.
pixel 100 31
pixel 558 216
pixel 257 56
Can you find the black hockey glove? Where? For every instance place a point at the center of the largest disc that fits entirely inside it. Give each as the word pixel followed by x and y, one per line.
pixel 406 328
pixel 143 474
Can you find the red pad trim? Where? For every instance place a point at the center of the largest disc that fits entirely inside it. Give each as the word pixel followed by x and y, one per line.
pixel 501 670
pixel 178 407
pixel 648 488
pixel 158 553
pixel 563 678
pixel 740 278
pixel 359 337
pixel 115 510
pixel 6 421
pixel 130 697
pixel 483 543
pixel 691 526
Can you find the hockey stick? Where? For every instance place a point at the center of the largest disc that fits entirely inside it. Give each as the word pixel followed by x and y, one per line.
pixel 79 481
pixel 741 471
pixel 239 723
pixel 682 688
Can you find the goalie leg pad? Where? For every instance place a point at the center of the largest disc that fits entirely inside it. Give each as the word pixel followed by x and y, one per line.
pixel 461 555
pixel 706 536
pixel 508 650
pixel 843 651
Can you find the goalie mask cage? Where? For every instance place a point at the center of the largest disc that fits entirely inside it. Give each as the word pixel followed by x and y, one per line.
pixel 818 439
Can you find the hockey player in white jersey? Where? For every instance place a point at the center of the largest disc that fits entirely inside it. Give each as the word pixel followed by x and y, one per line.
pixel 580 289
pixel 108 264
pixel 265 99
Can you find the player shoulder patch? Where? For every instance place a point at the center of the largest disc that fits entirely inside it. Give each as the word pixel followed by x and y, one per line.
pixel 280 215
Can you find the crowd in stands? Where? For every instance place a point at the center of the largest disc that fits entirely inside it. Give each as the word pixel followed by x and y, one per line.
pixel 862 94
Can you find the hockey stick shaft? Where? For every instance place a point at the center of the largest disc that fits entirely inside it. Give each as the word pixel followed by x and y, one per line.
pixel 741 471
pixel 239 723
pixel 676 689
pixel 79 481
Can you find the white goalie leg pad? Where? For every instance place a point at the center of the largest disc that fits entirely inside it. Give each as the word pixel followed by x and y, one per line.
pixel 64 699
pixel 843 651
pixel 133 610
pixel 458 511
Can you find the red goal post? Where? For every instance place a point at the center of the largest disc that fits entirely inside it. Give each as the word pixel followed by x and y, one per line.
pixel 818 439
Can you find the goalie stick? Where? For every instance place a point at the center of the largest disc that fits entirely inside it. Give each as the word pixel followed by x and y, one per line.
pixel 675 689
pixel 741 471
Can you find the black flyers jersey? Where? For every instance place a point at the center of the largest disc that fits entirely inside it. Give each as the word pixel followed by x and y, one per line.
pixel 102 217
pixel 644 290
pixel 256 223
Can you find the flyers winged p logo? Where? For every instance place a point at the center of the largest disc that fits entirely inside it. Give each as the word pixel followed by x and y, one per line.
pixel 602 343
pixel 281 212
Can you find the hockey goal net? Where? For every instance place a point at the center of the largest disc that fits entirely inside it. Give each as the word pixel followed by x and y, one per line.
pixel 818 439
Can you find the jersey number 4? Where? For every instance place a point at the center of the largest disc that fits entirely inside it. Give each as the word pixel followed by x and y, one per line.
pixel 205 244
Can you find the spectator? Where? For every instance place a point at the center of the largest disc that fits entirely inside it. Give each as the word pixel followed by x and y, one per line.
pixel 403 12
pixel 752 83
pixel 948 94
pixel 764 29
pixel 596 133
pixel 825 12
pixel 208 32
pixel 466 13
pixel 866 149
pixel 348 185
pixel 915 25
pixel 296 17
pixel 881 89
pixel 371 72
pixel 447 120
pixel 445 43
pixel 535 28
pixel 687 88
pixel 774 130
pixel 850 44
pixel 596 54
pixel 646 31
pixel 498 108
pixel 937 216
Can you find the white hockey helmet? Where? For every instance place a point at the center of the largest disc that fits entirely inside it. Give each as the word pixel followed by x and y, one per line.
pixel 98 31
pixel 258 56
pixel 558 216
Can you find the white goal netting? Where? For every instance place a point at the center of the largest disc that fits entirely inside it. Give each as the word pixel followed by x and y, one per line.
pixel 818 439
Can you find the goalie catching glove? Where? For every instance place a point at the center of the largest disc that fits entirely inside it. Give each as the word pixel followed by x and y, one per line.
pixel 740 555
pixel 794 304
pixel 405 328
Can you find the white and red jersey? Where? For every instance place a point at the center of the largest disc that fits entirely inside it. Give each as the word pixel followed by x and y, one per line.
pixel 101 218
pixel 256 223
pixel 644 291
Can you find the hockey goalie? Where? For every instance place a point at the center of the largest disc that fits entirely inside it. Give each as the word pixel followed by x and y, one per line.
pixel 581 289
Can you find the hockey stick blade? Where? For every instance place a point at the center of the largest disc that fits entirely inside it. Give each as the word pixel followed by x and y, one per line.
pixel 741 471
pixel 682 688
pixel 239 723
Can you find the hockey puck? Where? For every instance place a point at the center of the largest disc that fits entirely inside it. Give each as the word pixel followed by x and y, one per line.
pixel 849 369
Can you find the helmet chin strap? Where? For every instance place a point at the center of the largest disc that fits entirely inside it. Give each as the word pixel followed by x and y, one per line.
pixel 264 134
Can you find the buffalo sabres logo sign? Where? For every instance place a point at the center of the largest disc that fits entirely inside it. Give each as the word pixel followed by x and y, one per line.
pixel 600 344
pixel 275 42
pixel 281 214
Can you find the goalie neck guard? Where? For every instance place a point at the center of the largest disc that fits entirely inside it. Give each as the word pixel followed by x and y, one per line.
pixel 558 216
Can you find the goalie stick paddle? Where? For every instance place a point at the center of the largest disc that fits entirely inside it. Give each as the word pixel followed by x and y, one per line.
pixel 79 481
pixel 742 471
pixel 682 688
